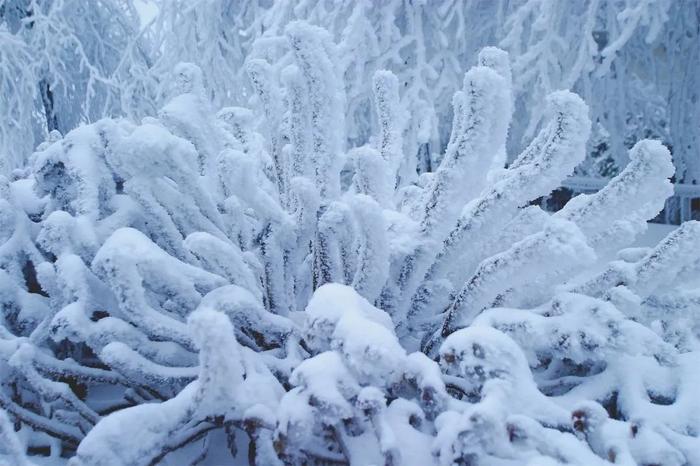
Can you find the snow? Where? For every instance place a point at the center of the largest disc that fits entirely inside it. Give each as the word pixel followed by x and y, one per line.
pixel 302 269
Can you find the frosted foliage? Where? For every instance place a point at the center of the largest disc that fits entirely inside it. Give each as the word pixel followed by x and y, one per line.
pixel 606 217
pixel 66 62
pixel 476 139
pixel 262 285
pixel 12 447
pixel 61 64
pixel 634 62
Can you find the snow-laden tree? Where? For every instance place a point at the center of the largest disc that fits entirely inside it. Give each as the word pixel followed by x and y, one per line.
pixel 237 285
pixel 66 62
pixel 633 61
pixel 62 63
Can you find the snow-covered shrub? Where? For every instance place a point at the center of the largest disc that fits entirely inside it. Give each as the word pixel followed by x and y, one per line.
pixel 238 285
